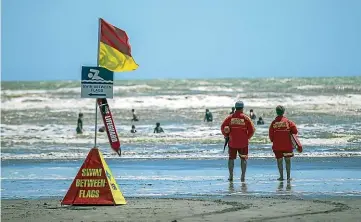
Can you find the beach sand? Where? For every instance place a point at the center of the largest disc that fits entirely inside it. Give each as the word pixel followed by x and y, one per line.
pixel 237 208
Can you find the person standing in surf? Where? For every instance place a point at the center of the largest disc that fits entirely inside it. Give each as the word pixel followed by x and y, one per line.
pixel 133 130
pixel 135 118
pixel 252 115
pixel 208 116
pixel 79 127
pixel 279 134
pixel 260 121
pixel 232 110
pixel 158 129
pixel 239 128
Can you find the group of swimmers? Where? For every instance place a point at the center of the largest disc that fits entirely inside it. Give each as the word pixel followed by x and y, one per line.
pixel 79 128
pixel 252 115
pixel 209 117
pixel 158 129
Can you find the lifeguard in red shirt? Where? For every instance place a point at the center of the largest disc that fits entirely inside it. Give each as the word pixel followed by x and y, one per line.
pixel 239 128
pixel 280 132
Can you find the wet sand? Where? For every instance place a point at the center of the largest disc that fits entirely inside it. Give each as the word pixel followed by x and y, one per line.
pixel 236 208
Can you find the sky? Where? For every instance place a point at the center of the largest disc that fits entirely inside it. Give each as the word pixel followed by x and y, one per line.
pixel 52 39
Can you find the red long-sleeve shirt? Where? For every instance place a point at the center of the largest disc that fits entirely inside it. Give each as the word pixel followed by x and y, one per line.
pixel 279 133
pixel 241 129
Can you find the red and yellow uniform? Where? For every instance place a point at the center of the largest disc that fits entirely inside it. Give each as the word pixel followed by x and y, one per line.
pixel 279 134
pixel 239 128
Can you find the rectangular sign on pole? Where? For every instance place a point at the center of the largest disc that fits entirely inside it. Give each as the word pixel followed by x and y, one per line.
pixel 96 82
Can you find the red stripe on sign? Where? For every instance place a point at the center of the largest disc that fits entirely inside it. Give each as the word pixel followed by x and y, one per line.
pixel 109 125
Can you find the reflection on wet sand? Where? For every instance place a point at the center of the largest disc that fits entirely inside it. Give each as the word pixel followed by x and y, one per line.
pixel 244 187
pixel 231 187
pixel 281 185
pixel 232 190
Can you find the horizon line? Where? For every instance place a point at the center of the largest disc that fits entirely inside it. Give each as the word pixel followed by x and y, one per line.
pixel 190 78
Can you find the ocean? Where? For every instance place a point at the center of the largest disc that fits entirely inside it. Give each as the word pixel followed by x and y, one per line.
pixel 39 144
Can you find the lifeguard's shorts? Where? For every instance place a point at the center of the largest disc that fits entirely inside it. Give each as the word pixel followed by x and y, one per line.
pixel 242 152
pixel 281 153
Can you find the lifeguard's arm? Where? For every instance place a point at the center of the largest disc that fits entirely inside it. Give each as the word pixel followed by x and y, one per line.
pixel 270 132
pixel 250 127
pixel 224 124
pixel 293 127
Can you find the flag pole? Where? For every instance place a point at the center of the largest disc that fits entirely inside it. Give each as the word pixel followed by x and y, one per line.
pixel 96 100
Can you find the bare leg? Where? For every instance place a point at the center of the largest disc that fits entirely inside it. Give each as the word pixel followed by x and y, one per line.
pixel 244 168
pixel 288 167
pixel 230 169
pixel 280 168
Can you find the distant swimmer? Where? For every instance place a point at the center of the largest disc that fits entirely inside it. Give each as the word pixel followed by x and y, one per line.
pixel 102 129
pixel 239 128
pixel 133 130
pixel 279 134
pixel 252 115
pixel 135 118
pixel 260 121
pixel 158 129
pixel 208 116
pixel 232 110
pixel 79 127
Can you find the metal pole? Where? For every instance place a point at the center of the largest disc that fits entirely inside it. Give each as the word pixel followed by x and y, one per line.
pixel 96 123
pixel 96 100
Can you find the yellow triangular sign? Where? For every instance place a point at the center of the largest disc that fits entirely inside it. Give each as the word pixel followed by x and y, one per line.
pixel 94 184
pixel 114 188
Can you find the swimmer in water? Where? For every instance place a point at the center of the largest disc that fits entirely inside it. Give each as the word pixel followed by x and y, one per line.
pixel 260 121
pixel 233 108
pixel 135 118
pixel 208 116
pixel 158 129
pixel 133 130
pixel 102 129
pixel 252 115
pixel 79 127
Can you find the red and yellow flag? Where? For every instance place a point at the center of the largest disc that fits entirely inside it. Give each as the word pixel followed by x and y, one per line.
pixel 114 49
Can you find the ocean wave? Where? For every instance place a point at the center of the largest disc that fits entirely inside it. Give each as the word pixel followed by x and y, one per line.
pixel 135 88
pixel 308 103
pixel 307 87
pixel 216 89
pixel 35 92
pixel 185 139
pixel 336 89
pixel 53 134
pixel 147 178
pixel 123 177
pixel 129 155
pixel 9 94
pixel 39 118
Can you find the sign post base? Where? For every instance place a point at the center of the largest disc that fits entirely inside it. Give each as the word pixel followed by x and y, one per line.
pixel 94 184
